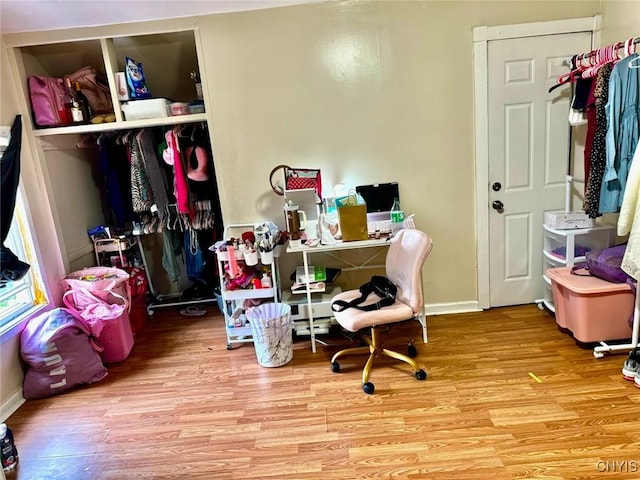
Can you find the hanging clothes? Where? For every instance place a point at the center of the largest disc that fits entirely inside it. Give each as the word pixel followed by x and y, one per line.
pixel 629 218
pixel 171 250
pixel 598 158
pixel 116 170
pixel 193 256
pixel 590 115
pixel 154 172
pixel 172 157
pixel 11 267
pixel 142 194
pixel 10 167
pixel 198 161
pixel 623 127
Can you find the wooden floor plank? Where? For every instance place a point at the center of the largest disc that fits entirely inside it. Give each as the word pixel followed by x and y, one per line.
pixel 182 406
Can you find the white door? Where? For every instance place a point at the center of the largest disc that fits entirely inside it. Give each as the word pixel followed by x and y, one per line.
pixel 528 146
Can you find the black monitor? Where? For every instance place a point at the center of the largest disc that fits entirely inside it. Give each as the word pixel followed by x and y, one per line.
pixel 379 196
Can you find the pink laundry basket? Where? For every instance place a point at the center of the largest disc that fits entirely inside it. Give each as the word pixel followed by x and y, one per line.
pixel 100 281
pixel 101 296
pixel 116 338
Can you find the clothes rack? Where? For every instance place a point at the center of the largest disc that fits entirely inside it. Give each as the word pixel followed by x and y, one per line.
pixel 602 55
pixel 204 209
pixel 616 46
pixel 605 55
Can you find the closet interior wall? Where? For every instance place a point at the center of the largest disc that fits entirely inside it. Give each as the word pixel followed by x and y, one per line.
pixel 170 62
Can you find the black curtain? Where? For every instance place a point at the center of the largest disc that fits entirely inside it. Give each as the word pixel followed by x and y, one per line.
pixel 11 267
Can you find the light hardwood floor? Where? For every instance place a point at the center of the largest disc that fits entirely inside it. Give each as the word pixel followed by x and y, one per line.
pixel 184 407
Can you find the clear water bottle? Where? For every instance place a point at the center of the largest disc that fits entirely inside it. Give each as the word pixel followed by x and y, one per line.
pixel 8 450
pixel 397 217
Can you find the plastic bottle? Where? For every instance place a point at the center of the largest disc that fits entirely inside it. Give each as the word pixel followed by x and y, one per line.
pixel 266 281
pixel 8 450
pixel 397 217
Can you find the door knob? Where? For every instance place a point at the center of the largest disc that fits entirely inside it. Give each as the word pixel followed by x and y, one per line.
pixel 497 205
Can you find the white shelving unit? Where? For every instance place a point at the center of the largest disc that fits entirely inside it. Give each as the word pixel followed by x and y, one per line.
pixel 565 248
pixel 237 328
pixel 107 55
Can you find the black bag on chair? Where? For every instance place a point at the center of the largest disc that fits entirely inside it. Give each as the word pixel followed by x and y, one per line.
pixel 381 286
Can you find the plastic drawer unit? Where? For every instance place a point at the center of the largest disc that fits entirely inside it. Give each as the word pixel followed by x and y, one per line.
pixel 568 246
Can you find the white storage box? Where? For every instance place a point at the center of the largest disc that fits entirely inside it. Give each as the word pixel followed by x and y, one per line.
pixel 147 108
pixel 567 220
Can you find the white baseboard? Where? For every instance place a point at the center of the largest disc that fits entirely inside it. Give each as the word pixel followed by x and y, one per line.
pixel 450 308
pixel 11 405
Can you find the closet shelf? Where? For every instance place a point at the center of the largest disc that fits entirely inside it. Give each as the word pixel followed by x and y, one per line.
pixel 125 125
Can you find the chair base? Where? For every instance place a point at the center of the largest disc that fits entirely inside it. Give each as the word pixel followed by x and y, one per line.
pixel 374 348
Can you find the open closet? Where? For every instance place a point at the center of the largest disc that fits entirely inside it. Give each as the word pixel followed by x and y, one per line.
pixel 150 178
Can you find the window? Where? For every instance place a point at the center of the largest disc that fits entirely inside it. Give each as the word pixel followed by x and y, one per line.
pixel 24 295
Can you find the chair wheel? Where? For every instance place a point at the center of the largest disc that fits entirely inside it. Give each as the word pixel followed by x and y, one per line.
pixel 412 351
pixel 335 367
pixel 229 347
pixel 421 375
pixel 368 388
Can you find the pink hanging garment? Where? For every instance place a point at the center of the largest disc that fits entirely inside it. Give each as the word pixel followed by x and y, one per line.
pixel 180 179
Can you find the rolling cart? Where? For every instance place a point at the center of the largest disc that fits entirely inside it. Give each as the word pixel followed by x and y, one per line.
pixel 237 327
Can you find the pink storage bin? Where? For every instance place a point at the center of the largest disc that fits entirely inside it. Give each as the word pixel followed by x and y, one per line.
pixel 594 310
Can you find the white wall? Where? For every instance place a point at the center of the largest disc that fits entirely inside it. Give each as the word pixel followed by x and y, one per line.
pixel 369 92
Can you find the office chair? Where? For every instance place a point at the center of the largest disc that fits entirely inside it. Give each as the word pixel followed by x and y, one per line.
pixel 406 255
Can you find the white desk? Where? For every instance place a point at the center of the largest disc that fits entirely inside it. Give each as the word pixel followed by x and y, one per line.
pixel 378 244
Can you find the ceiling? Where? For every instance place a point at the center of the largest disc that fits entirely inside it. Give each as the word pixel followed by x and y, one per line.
pixel 32 15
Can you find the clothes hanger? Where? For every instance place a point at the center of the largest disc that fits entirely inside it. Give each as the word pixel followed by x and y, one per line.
pixel 598 61
pixel 635 62
pixel 573 73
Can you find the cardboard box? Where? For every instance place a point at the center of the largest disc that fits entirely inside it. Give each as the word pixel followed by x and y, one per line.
pixel 567 220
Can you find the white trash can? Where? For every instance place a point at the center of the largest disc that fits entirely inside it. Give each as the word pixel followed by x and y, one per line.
pixel 272 332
